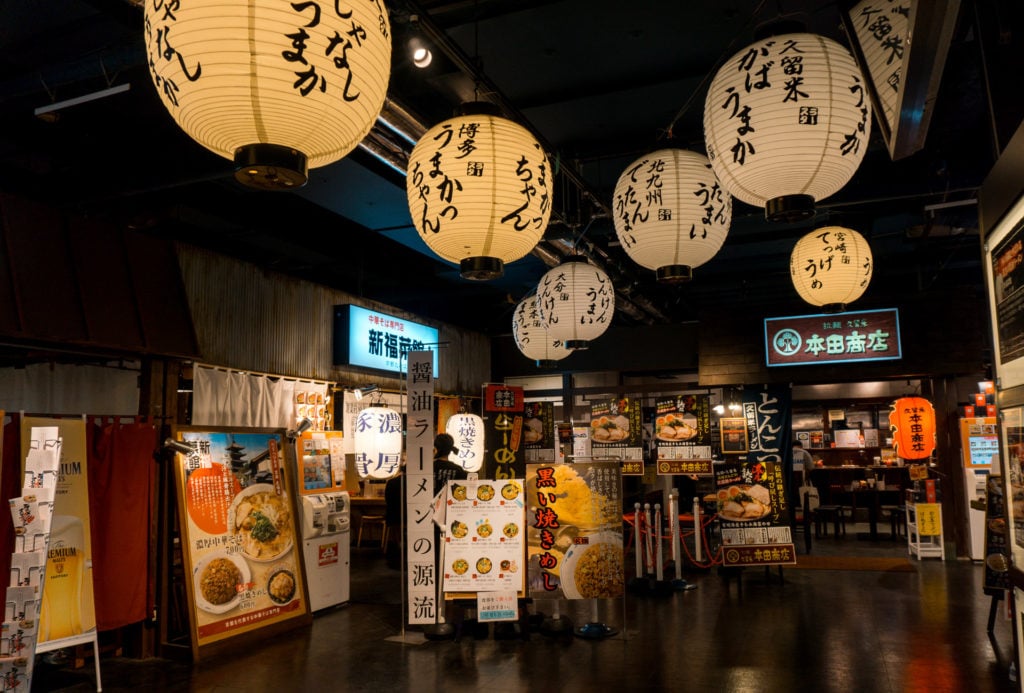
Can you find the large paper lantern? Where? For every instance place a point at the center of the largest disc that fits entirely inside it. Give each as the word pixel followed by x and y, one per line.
pixel 576 302
pixel 532 337
pixel 787 122
pixel 468 432
pixel 479 190
pixel 831 267
pixel 378 442
pixel 912 422
pixel 278 87
pixel 671 214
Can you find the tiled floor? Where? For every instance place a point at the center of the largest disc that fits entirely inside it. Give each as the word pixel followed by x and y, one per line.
pixel 815 630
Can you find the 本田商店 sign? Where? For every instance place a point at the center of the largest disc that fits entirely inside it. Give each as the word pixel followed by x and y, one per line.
pixel 375 340
pixel 800 340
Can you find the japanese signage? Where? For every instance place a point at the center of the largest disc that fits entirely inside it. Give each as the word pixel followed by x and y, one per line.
pixel 378 434
pixel 68 609
pixel 484 536
pixel 734 435
pixel 799 340
pixel 753 505
pixel 882 30
pixel 929 519
pixel 574 521
pixel 682 434
pixel 497 606
pixel 616 429
pixel 997 553
pixel 1007 285
pixel 504 435
pixel 239 537
pixel 376 340
pixel 420 551
pixel 468 432
pixel 539 431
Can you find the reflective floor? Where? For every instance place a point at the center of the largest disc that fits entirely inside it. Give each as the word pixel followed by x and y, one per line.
pixel 808 630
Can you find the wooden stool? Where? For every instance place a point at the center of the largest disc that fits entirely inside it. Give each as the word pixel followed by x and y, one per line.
pixel 373 521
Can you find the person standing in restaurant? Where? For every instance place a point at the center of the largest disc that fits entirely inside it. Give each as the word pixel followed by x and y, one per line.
pixel 444 469
pixel 803 463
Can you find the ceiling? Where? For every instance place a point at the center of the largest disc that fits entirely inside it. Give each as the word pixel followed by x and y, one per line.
pixel 597 83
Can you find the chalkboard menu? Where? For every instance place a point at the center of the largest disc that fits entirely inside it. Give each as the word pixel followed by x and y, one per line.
pixel 997 560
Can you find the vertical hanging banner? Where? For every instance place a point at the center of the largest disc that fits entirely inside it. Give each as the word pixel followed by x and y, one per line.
pixel 420 548
pixel 539 432
pixel 503 420
pixel 753 506
pixel 67 614
pixel 616 430
pixel 682 433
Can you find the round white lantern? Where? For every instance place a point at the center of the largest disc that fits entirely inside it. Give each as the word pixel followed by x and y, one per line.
pixel 576 302
pixel 531 335
pixel 787 122
pixel 831 267
pixel 468 432
pixel 277 87
pixel 479 190
pixel 671 213
pixel 378 442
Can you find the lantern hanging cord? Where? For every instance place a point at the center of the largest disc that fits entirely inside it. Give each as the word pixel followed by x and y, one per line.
pixel 701 88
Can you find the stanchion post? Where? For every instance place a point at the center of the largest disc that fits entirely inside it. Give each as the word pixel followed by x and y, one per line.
pixel 698 548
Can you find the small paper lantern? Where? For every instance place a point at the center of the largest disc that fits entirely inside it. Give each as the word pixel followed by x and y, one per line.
pixel 479 191
pixel 468 432
pixel 277 87
pixel 831 267
pixel 912 421
pixel 671 214
pixel 378 442
pixel 576 302
pixel 787 122
pixel 532 337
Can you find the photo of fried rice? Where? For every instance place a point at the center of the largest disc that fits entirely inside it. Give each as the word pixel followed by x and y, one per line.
pixel 599 573
pixel 219 581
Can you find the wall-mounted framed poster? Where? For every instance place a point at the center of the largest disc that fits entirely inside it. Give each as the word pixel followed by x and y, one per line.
pixel 734 435
pixel 241 548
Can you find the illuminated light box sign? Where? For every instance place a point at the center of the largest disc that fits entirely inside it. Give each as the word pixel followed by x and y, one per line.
pixel 376 340
pixel 801 340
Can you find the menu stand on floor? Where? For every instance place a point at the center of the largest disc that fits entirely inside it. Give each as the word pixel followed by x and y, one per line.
pixel 928 545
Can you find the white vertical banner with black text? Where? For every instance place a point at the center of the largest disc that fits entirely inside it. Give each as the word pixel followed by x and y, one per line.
pixel 419 490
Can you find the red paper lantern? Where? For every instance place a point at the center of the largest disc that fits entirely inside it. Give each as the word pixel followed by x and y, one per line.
pixel 912 421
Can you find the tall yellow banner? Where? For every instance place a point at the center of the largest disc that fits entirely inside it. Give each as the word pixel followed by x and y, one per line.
pixel 68 612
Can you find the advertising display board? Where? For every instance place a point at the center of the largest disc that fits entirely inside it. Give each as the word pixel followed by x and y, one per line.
pixel 241 548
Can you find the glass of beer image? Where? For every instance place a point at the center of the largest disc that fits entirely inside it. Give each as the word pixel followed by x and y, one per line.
pixel 61 609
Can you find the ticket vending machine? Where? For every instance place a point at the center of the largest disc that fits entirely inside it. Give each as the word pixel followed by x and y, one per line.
pixel 326 517
pixel 980 447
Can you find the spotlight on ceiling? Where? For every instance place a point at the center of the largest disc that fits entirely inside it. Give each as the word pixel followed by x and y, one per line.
pixel 304 425
pixel 419 51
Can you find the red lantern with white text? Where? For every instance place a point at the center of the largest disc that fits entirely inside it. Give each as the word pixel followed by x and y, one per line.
pixel 912 421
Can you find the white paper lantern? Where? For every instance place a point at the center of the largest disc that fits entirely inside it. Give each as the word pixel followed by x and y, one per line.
pixel 576 302
pixel 468 432
pixel 671 213
pixel 277 87
pixel 831 267
pixel 378 442
pixel 479 190
pixel 787 122
pixel 532 337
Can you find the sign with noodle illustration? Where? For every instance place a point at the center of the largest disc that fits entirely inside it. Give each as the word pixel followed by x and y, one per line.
pixel 243 569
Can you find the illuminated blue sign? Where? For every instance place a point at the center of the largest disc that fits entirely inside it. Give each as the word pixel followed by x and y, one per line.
pixel 376 340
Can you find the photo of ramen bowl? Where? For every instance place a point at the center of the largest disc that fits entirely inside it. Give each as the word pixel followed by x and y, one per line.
pixel 483 565
pixel 510 491
pixel 485 492
pixel 261 521
pixel 484 530
pixel 458 492
pixel 744 502
pixel 459 529
pixel 460 566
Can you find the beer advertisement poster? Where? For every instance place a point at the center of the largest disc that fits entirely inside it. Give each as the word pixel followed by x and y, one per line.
pixel 239 525
pixel 68 610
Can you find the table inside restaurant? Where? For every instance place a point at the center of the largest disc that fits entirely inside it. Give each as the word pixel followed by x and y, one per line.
pixel 871 497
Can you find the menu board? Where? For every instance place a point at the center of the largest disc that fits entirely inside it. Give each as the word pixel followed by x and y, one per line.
pixel 682 434
pixel 616 429
pixel 539 431
pixel 997 559
pixel 574 537
pixel 483 535
pixel 240 547
pixel 1013 444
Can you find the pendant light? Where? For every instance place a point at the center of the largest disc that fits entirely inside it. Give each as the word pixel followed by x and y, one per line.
pixel 378 442
pixel 671 214
pixel 831 267
pixel 468 432
pixel 479 190
pixel 276 87
pixel 576 302
pixel 532 337
pixel 787 123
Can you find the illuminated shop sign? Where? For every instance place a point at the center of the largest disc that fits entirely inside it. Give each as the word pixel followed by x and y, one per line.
pixel 800 340
pixel 376 340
